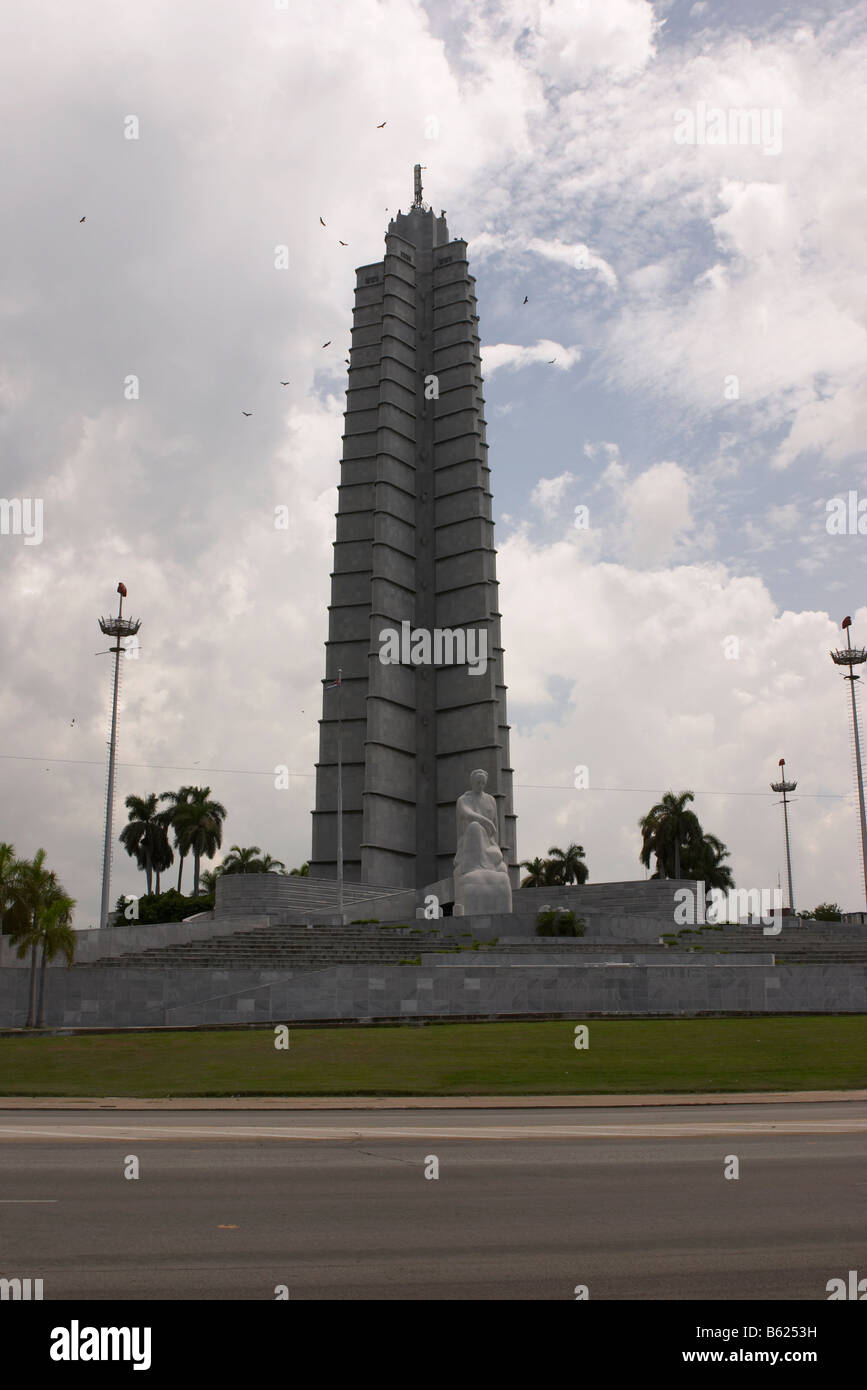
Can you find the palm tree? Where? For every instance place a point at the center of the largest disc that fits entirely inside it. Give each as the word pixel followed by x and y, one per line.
pixel 303 872
pixel 570 864
pixel 270 865
pixel 12 910
pixel 705 862
pixel 242 861
pixel 31 876
pixel 208 880
pixel 56 935
pixel 553 873
pixel 182 797
pixel 536 876
pixel 199 826
pixel 42 919
pixel 666 829
pixel 145 835
pixel 163 854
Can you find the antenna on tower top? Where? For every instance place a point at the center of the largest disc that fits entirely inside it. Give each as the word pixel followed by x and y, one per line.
pixel 417 200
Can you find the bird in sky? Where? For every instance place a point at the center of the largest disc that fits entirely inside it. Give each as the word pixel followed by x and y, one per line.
pixel 328 344
pixel 73 721
pixel 284 383
pixel 246 412
pixel 343 243
pixel 553 360
pixel 379 127
pixel 81 219
pixel 322 222
pixel 526 297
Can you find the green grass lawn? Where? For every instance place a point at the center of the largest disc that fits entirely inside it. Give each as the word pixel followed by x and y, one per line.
pixel 450 1059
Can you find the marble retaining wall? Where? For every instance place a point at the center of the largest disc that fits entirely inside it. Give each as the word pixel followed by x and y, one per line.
pixel 118 997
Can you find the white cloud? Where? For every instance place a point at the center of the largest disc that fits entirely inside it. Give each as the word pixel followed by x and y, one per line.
pixel 573 40
pixel 496 356
pixel 547 496
pixel 657 506
pixel 655 704
pixel 834 427
pixel 575 255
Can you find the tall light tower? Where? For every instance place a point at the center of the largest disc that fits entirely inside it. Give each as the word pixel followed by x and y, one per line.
pixel 855 656
pixel 785 787
pixel 118 628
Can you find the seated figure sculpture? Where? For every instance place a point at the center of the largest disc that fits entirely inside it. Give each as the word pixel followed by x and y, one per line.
pixel 481 875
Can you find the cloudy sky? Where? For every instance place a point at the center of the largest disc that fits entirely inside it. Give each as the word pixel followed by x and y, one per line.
pixel 698 280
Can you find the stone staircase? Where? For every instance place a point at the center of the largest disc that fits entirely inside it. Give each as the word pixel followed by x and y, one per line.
pixel 811 943
pixel 300 947
pixel 293 948
pixel 568 945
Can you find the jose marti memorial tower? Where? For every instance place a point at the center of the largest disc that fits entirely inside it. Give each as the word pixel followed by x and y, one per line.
pixel 414 621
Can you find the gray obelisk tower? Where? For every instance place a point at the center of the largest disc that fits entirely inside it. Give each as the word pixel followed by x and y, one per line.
pixel 415 546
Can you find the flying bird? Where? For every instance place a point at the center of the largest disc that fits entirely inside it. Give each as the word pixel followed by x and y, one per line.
pixel 526 297
pixel 246 412
pixel 343 243
pixel 322 222
pixel 81 219
pixel 284 383
pixel 73 721
pixel 379 127
pixel 328 344
pixel 553 360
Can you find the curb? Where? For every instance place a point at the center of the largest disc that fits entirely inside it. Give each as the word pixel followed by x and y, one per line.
pixel 425 1102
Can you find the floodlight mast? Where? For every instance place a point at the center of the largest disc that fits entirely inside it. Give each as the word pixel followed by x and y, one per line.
pixel 114 627
pixel 855 656
pixel 785 787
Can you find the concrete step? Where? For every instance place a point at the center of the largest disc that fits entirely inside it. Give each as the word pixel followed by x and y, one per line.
pixel 294 946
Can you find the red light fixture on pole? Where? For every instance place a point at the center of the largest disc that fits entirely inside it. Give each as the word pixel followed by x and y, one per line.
pixel 785 787
pixel 118 628
pixel 851 657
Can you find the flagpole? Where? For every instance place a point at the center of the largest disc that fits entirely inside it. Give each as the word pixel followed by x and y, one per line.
pixel 339 796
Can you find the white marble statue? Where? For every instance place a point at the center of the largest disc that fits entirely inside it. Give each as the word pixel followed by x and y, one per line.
pixel 481 875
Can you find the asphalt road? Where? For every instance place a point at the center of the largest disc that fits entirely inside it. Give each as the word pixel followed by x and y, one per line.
pixel 632 1203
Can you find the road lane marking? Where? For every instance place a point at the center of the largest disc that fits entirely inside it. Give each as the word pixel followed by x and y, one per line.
pixel 344 1133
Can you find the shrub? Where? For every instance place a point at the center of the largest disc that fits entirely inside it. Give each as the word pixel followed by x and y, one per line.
pixel 163 907
pixel 363 921
pixel 559 921
pixel 828 912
